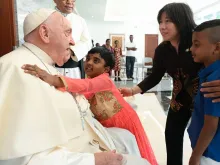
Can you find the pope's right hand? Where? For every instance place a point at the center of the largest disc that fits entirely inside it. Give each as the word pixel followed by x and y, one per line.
pixel 108 158
pixel 126 92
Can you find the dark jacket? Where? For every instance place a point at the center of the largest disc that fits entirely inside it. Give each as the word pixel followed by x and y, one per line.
pixel 181 67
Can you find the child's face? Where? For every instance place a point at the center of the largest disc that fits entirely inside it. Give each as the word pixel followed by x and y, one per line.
pixel 202 49
pixel 95 65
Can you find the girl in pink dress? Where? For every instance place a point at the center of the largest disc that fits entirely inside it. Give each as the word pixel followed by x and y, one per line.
pixel 118 55
pixel 107 103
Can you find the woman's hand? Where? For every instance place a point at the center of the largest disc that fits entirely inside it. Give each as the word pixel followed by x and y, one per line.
pixel 212 90
pixel 126 92
pixel 42 74
pixel 130 91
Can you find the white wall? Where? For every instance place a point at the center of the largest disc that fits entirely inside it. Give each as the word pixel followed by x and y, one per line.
pixel 208 13
pixel 26 6
pixel 100 31
pixel 199 4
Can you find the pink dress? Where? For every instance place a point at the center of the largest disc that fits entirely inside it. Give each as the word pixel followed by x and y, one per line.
pixel 111 110
pixel 118 55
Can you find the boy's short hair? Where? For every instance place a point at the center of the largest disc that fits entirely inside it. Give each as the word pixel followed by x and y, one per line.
pixel 213 29
pixel 106 55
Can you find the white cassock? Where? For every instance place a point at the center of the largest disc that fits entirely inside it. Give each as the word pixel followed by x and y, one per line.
pixel 82 39
pixel 40 125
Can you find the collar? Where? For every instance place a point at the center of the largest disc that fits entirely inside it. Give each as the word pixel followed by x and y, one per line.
pixel 64 14
pixel 39 53
pixel 208 70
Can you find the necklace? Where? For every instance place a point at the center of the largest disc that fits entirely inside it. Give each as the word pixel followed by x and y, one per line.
pixel 82 113
pixel 38 58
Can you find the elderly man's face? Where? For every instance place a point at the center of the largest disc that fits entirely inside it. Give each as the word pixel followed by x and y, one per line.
pixel 65 6
pixel 60 40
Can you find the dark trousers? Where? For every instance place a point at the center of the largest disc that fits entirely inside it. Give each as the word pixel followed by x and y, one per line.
pixel 174 134
pixel 130 66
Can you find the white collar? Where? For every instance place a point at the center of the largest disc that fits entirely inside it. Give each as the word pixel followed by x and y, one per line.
pixel 39 53
pixel 64 14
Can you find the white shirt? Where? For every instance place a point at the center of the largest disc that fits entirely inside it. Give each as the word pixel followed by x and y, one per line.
pixel 130 52
pixel 80 35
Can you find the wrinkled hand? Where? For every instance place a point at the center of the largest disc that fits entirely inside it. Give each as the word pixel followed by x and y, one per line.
pixel 108 158
pixel 36 71
pixel 194 160
pixel 126 92
pixel 212 90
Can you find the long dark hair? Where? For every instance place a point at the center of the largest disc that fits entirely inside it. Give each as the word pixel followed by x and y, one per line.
pixel 182 16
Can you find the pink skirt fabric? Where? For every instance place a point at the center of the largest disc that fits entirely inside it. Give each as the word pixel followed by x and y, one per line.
pixel 129 120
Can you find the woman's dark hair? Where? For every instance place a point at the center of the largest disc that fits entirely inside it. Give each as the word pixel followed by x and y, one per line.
pixel 182 16
pixel 116 41
pixel 107 40
pixel 106 55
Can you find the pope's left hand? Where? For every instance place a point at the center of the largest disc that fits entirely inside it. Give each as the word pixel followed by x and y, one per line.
pixel 212 90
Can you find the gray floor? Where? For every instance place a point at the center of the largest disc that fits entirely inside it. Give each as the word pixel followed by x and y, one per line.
pixel 163 96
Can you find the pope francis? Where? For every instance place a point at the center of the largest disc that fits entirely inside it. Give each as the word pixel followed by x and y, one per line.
pixel 40 125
